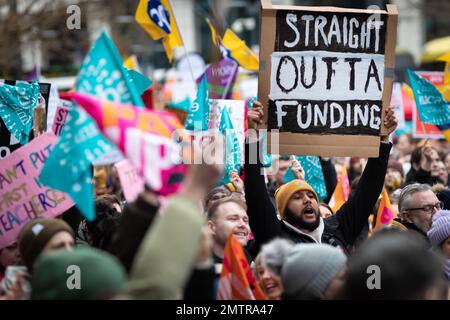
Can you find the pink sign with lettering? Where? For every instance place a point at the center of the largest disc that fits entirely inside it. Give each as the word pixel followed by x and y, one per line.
pixel 132 183
pixel 60 120
pixel 22 196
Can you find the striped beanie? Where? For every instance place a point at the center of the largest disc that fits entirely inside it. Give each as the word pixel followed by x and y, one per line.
pixel 440 228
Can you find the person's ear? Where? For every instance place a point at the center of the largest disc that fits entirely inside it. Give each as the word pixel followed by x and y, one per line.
pixel 211 227
pixel 406 216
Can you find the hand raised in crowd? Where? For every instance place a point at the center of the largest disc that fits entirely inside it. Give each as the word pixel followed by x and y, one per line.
pixel 237 181
pixel 255 115
pixel 204 250
pixel 297 170
pixel 390 121
pixel 16 291
pixel 429 154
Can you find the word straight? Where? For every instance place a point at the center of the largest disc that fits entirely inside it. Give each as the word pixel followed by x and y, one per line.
pixel 333 32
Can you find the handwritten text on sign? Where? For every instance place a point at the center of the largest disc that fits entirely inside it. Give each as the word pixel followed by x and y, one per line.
pixel 60 120
pixel 327 73
pixel 22 196
pixel 132 183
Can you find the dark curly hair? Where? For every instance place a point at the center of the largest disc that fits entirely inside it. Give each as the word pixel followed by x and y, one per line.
pixel 102 230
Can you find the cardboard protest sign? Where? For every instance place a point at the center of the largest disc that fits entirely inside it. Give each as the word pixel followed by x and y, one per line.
pixel 131 182
pixel 9 143
pixel 326 75
pixel 22 196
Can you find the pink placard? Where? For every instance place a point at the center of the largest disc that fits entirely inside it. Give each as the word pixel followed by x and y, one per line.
pixel 22 196
pixel 132 183
pixel 60 120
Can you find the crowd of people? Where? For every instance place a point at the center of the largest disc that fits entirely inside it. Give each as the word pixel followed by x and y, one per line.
pixel 297 247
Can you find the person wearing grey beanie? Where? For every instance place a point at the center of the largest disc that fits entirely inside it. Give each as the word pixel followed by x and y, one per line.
pixel 268 266
pixel 439 236
pixel 313 272
pixel 274 253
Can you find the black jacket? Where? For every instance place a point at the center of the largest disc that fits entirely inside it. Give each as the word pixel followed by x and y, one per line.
pixel 413 228
pixel 341 229
pixel 136 219
pixel 422 176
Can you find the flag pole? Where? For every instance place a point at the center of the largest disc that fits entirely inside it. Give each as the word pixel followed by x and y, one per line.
pixel 182 40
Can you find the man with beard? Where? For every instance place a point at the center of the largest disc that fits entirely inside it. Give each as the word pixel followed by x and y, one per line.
pixel 417 205
pixel 298 204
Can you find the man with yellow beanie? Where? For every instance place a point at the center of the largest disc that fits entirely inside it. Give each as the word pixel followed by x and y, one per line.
pixel 297 203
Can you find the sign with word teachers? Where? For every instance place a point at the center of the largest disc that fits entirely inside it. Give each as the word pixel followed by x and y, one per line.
pixel 326 76
pixel 22 196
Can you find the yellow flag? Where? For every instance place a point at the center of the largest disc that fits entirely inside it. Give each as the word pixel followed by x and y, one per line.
pixel 158 20
pixel 132 63
pixel 446 58
pixel 445 88
pixel 214 35
pixel 147 23
pixel 239 51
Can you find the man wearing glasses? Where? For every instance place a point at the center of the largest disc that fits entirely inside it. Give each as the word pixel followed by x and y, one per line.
pixel 416 206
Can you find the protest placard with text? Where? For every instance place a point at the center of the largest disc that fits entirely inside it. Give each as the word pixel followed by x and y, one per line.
pixel 22 196
pixel 326 76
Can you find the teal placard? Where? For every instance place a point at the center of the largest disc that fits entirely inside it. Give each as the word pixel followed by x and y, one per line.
pixel 232 152
pixel 198 116
pixel 102 74
pixel 430 103
pixel 313 174
pixel 17 104
pixel 68 168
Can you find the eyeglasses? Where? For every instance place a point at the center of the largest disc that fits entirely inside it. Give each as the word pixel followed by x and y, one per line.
pixel 428 208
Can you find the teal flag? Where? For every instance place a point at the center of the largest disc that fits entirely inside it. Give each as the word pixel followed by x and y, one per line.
pixel 431 105
pixel 313 174
pixel 232 151
pixel 184 105
pixel 102 74
pixel 17 105
pixel 140 81
pixel 68 168
pixel 198 115
pixel 267 158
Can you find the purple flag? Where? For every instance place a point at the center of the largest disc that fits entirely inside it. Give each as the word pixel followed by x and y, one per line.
pixel 221 77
